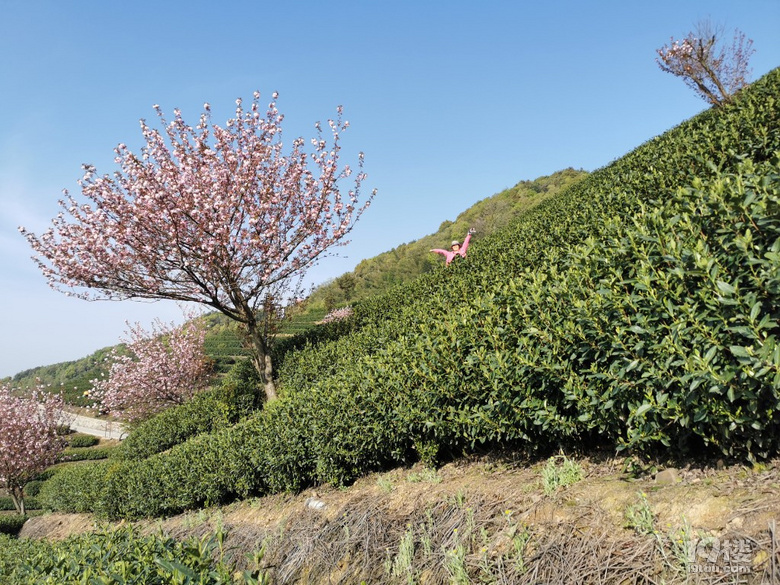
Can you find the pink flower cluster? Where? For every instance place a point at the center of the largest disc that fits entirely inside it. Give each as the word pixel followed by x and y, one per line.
pixel 154 370
pixel 29 442
pixel 337 315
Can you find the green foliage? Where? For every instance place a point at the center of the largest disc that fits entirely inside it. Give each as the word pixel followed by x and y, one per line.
pixel 80 488
pixel 121 556
pixel 637 308
pixel 80 440
pixel 11 524
pixel 33 487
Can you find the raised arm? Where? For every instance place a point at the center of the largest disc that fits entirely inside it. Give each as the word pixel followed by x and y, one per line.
pixel 465 244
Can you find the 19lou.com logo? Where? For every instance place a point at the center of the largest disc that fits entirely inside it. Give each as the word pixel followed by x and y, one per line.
pixel 715 555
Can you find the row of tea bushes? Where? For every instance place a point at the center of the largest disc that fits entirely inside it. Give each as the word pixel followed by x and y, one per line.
pixel 637 308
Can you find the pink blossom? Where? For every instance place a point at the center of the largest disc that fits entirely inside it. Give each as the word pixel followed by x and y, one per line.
pixel 155 370
pixel 218 215
pixel 29 442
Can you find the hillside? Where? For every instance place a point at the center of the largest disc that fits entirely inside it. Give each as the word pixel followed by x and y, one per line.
pixel 407 261
pixel 635 312
pixel 372 276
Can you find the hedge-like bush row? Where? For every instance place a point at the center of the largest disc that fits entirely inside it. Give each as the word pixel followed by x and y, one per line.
pixel 30 503
pixel 78 441
pixel 11 524
pixel 87 453
pixel 636 308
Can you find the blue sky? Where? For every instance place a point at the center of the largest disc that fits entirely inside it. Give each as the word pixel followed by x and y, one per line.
pixel 450 101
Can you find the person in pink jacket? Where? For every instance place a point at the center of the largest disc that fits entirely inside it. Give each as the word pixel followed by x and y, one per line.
pixel 456 249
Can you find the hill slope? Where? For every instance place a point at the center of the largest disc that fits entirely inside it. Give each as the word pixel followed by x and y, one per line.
pixel 637 310
pixel 406 262
pixel 372 276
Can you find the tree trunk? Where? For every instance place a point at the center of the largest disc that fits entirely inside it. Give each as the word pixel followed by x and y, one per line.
pixel 261 357
pixel 17 497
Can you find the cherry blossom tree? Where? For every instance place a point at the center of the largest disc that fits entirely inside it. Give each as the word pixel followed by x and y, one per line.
pixel 714 70
pixel 29 442
pixel 154 370
pixel 218 215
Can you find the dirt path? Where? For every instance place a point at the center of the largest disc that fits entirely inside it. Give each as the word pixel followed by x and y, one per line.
pixel 105 429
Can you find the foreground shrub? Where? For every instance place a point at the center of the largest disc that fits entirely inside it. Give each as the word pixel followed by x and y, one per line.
pixel 11 524
pixel 121 556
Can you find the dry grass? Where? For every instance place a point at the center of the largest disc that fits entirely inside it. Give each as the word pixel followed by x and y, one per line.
pixel 487 520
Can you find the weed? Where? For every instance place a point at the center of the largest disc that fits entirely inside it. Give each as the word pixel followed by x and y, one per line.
pixel 681 542
pixel 385 484
pixel 402 566
pixel 455 563
pixel 639 516
pixel 557 475
pixel 459 499
pixel 426 475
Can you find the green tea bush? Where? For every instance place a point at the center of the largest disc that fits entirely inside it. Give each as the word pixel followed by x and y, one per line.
pixel 11 524
pixel 121 556
pixel 685 310
pixel 636 309
pixel 80 441
pixel 79 488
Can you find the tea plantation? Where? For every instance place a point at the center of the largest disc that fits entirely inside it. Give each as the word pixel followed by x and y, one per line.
pixel 637 310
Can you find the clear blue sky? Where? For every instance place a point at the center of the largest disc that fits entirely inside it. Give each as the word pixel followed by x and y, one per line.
pixel 451 101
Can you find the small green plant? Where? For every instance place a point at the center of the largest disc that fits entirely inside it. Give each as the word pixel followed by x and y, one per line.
pixel 560 472
pixel 639 516
pixel 519 535
pixel 426 475
pixel 385 484
pixel 455 563
pixel 459 499
pixel 402 565
pixel 681 542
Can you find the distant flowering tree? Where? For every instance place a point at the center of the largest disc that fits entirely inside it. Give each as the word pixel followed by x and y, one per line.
pixel 337 315
pixel 155 370
pixel 29 442
pixel 713 70
pixel 214 215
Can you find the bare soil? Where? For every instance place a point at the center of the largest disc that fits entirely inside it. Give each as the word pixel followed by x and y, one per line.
pixel 488 520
